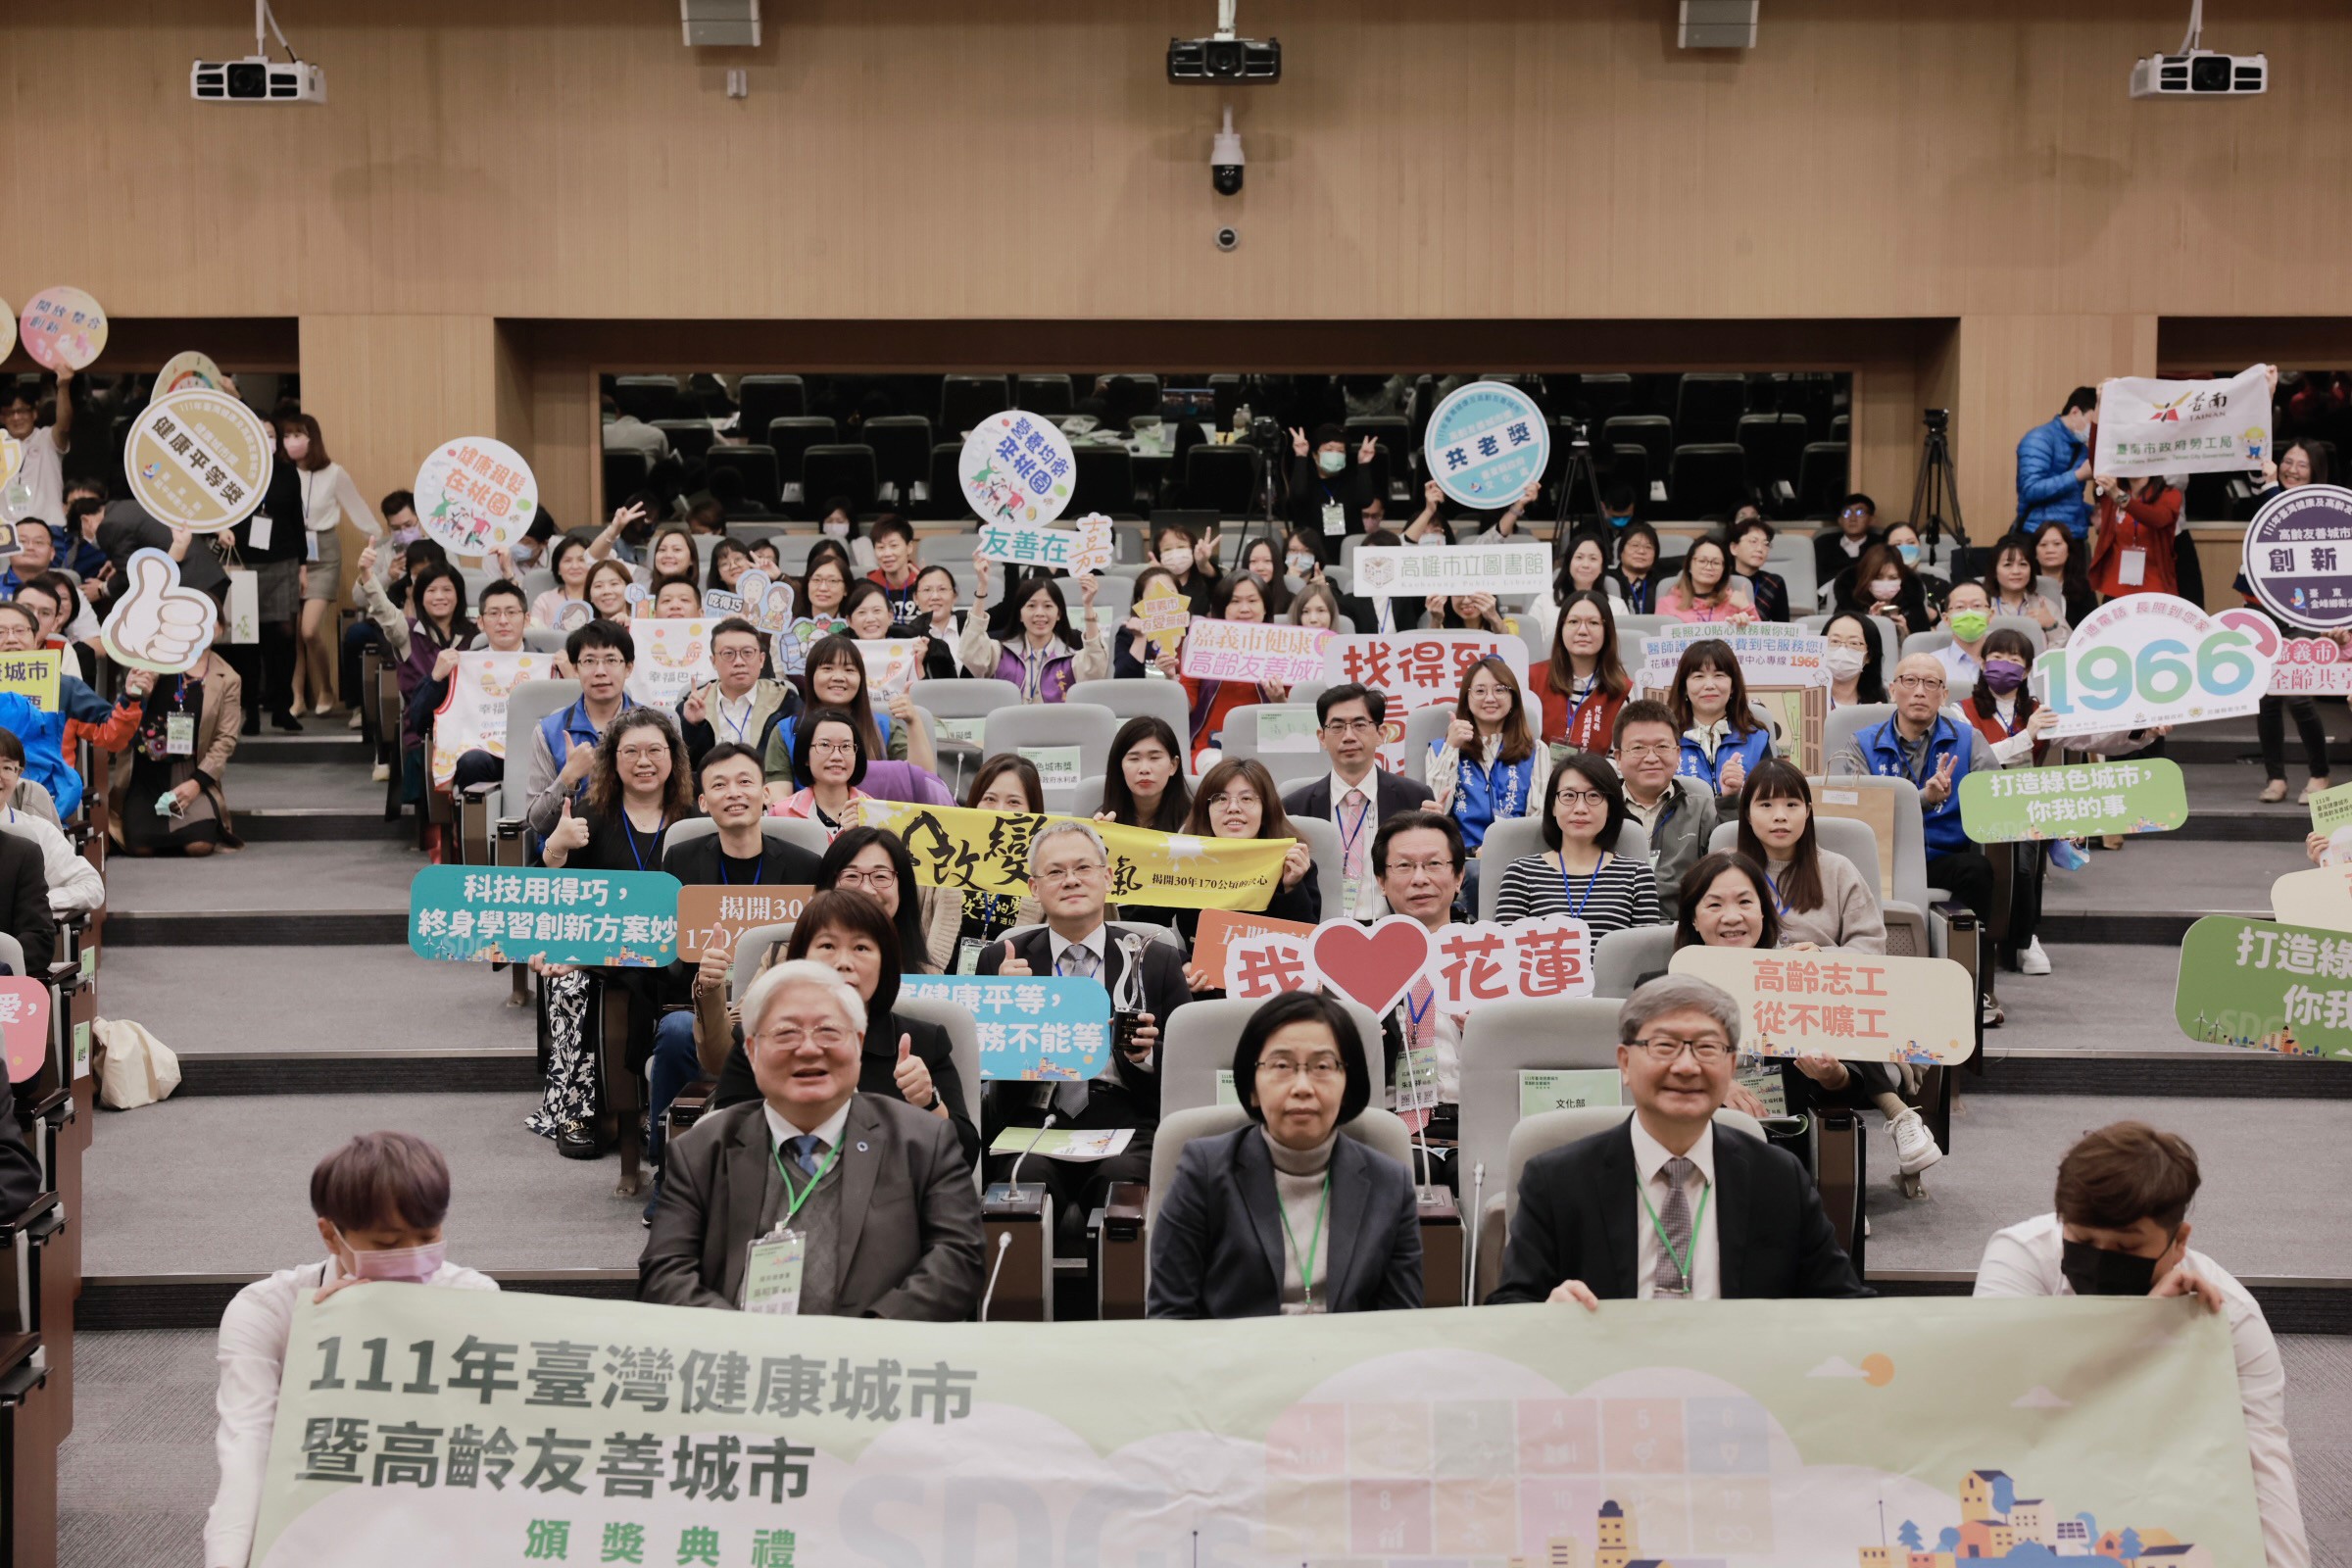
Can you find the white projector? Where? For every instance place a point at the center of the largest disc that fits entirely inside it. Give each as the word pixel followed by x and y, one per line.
pixel 256 80
pixel 2201 72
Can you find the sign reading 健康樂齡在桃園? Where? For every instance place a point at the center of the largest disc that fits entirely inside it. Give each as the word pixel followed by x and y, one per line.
pixel 2122 795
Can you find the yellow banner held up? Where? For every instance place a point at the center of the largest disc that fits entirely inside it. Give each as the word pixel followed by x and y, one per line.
pixel 32 676
pixel 988 852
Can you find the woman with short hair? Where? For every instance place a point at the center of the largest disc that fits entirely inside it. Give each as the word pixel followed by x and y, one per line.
pixel 1350 1234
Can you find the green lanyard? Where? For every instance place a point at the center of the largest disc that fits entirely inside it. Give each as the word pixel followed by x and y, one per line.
pixel 794 1201
pixel 1690 1253
pixel 1307 1260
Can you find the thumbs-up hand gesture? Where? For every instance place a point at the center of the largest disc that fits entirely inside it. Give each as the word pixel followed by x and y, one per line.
pixel 718 958
pixel 155 623
pixel 913 1077
pixel 1014 963
pixel 570 837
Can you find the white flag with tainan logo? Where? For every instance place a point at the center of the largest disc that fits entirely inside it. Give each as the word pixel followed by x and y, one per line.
pixel 2149 426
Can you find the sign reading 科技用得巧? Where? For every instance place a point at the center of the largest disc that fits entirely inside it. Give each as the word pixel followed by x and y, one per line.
pixel 609 919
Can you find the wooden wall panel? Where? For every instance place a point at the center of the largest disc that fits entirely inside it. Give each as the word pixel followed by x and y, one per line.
pixel 913 159
pixel 2014 372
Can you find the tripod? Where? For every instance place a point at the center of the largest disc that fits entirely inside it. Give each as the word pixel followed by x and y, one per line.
pixel 1579 467
pixel 1937 487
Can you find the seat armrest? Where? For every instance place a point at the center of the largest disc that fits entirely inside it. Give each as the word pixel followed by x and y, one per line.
pixel 1123 1210
pixel 34 1219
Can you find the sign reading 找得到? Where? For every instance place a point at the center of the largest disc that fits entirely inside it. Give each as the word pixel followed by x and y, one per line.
pixel 2298 558
pixel 1485 443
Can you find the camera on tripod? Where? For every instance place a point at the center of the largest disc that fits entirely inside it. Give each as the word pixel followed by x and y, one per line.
pixel 1937 419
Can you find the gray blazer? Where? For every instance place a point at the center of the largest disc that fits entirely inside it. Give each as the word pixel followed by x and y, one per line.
pixel 1217 1247
pixel 910 1226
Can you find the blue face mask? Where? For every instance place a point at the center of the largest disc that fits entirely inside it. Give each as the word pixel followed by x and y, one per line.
pixel 1619 522
pixel 1909 552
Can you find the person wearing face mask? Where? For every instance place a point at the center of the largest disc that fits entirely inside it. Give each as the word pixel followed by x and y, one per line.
pixel 380 1202
pixel 1970 613
pixel 1852 659
pixel 328 497
pixel 1190 565
pixel 1327 493
pixel 1881 585
pixel 2053 460
pixel 2120 1227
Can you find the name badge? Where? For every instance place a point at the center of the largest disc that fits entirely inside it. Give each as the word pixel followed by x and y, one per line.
pixel 179 734
pixel 771 1276
pixel 2132 567
pixel 1417 1079
pixel 309 549
pixel 257 535
pixel 1335 519
pixel 967 954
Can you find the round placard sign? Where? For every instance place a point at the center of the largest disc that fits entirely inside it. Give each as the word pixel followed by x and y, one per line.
pixel 1485 443
pixel 199 460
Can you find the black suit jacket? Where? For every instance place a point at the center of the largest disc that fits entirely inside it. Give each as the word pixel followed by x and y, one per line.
pixel 20 1172
pixel 908 1237
pixel 1217 1246
pixel 696 864
pixel 1391 793
pixel 26 881
pixel 1578 1211
pixel 1129 1096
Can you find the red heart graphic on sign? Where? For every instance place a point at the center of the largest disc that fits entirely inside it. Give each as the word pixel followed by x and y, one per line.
pixel 1373 965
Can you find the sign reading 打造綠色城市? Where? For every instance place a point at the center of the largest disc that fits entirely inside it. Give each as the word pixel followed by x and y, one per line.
pixel 1486 442
pixel 1032 1027
pixel 477 914
pixel 32 676
pixel 2150 658
pixel 2122 795
pixel 2262 986
pixel 2298 555
pixel 480 1428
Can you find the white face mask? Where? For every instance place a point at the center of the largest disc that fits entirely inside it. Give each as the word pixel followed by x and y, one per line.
pixel 1300 563
pixel 1178 561
pixel 837 530
pixel 1885 588
pixel 1844 662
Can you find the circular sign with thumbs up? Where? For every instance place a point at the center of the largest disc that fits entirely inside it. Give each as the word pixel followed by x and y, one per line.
pixel 199 460
pixel 157 624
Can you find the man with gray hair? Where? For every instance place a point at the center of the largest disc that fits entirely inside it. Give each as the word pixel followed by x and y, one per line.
pixel 1069 875
pixel 814 1199
pixel 1669 1205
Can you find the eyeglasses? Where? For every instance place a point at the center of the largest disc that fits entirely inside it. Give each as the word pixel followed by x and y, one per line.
pixel 824 1039
pixel 833 748
pixel 1655 749
pixel 640 754
pixel 736 655
pixel 1420 867
pixel 1320 1069
pixel 879 878
pixel 1235 801
pixel 1350 726
pixel 1579 798
pixel 1664 1048
pixel 1055 875
pixel 1919 683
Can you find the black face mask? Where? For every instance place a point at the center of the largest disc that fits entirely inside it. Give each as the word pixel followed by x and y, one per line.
pixel 2097 1271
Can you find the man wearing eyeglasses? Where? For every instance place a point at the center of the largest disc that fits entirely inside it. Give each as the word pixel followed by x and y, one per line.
pixel 1069 874
pixel 1358 794
pixel 1834 550
pixel 743 704
pixel 1678 813
pixel 501 614
pixel 814 1200
pixel 1669 1205
pixel 1935 750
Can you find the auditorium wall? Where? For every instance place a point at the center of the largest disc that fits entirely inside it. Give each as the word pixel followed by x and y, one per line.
pixel 1954 199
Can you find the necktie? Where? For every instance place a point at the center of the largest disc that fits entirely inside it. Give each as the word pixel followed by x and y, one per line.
pixel 801 1151
pixel 1674 1218
pixel 1354 843
pixel 1077 963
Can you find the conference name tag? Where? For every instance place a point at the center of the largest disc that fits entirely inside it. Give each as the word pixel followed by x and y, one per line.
pixel 1568 1088
pixel 1057 765
pixel 179 734
pixel 771 1277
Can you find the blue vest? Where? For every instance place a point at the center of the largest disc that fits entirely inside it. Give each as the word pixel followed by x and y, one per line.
pixel 1484 793
pixel 568 728
pixel 1751 747
pixel 1883 750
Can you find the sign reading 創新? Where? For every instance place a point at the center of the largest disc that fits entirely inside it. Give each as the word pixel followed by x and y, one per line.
pixel 2298 555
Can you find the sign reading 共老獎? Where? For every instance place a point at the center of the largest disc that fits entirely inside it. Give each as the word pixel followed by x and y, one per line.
pixel 2123 796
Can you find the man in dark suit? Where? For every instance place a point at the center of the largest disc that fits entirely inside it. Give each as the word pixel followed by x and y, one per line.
pixel 1069 874
pixel 25 882
pixel 1358 794
pixel 1668 1205
pixel 862 1206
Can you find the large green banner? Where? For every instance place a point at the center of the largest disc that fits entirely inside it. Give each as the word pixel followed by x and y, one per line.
pixel 2262 986
pixel 421 1428
pixel 2075 800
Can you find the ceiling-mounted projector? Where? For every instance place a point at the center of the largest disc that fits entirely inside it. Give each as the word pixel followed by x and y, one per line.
pixel 256 80
pixel 2196 72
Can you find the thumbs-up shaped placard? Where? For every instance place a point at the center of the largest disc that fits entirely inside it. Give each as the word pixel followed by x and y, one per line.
pixel 157 624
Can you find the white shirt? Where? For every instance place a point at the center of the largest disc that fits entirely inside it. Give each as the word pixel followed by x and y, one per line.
pixel 73 882
pixel 1369 904
pixel 731 718
pixel 1706 1257
pixel 2026 1260
pixel 827 1134
pixel 253 1359
pixel 328 497
pixel 45 476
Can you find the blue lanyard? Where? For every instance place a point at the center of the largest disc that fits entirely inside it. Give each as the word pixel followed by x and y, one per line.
pixel 1778 903
pixel 759 868
pixel 1576 907
pixel 628 830
pixel 1413 1016
pixel 1347 839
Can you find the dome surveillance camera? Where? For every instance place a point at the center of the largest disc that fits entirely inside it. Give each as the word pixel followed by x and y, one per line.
pixel 1228 238
pixel 1225 160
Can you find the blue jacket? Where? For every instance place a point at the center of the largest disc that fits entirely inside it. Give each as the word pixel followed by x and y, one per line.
pixel 1483 792
pixel 2047 486
pixel 44 738
pixel 1883 748
pixel 1751 747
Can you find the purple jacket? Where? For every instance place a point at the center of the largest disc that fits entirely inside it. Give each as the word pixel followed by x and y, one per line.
pixel 1052 685
pixel 904 781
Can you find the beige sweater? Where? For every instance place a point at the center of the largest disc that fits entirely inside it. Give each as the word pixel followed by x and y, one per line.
pixel 1848 916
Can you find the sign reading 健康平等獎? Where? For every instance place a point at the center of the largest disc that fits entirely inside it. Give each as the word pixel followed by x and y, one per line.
pixel 2122 795
pixel 476 914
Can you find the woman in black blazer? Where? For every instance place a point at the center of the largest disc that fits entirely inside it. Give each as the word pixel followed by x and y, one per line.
pixel 1288 1216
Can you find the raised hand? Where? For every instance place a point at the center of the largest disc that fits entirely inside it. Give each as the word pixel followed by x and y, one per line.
pixel 913 1077
pixel 1298 443
pixel 157 624
pixel 1014 963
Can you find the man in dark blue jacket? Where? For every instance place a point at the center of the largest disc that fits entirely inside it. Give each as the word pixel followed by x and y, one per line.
pixel 2053 461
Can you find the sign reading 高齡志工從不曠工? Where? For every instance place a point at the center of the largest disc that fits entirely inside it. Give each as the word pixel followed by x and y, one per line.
pixel 1856 1007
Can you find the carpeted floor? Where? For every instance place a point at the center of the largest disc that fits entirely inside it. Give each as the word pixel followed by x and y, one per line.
pixel 371 875
pixel 361 998
pixel 137 1476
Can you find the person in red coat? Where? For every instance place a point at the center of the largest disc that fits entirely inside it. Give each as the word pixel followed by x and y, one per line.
pixel 1584 685
pixel 2131 537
